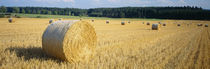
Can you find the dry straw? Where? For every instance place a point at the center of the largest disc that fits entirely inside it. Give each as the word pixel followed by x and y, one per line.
pixel 73 41
pixel 155 27
pixel 10 20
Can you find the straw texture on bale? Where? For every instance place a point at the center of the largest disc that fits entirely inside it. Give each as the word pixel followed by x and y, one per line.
pixel 206 25
pixel 72 41
pixel 122 23
pixel 148 23
pixel 10 20
pixel 154 26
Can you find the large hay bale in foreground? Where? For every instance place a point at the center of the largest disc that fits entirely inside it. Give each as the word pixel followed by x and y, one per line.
pixel 72 41
pixel 206 25
pixel 10 20
pixel 155 27
pixel 122 23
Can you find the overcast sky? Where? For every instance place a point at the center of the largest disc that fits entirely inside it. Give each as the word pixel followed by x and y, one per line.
pixel 104 3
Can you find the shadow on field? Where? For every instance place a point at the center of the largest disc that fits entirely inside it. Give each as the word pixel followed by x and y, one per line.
pixel 32 53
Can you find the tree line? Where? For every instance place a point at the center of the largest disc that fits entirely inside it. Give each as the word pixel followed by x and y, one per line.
pixel 185 12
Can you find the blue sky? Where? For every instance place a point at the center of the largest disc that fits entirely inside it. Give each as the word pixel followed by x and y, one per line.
pixel 104 3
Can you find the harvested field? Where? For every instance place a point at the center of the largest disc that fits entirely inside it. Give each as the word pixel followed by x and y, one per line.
pixel 132 46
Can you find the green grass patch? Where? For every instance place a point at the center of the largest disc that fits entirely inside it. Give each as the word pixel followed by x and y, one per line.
pixel 83 17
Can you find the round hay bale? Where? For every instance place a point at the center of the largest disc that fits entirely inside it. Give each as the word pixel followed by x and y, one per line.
pixel 50 21
pixel 10 20
pixel 206 25
pixel 92 20
pixel 74 41
pixel 178 24
pixel 148 23
pixel 107 21
pixel 199 24
pixel 122 23
pixel 60 19
pixel 164 24
pixel 129 21
pixel 155 27
pixel 80 19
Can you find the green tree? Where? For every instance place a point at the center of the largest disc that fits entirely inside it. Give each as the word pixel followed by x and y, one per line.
pixel 22 11
pixel 15 10
pixel 3 9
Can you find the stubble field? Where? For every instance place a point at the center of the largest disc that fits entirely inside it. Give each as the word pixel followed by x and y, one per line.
pixel 132 46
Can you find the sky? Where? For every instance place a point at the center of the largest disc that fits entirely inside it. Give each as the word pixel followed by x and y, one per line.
pixel 86 4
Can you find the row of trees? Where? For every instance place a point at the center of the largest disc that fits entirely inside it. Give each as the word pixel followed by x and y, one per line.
pixel 185 12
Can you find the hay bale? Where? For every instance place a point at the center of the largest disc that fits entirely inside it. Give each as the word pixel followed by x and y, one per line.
pixel 129 21
pixel 50 21
pixel 107 21
pixel 154 26
pixel 148 23
pixel 122 23
pixel 199 24
pixel 164 24
pixel 206 25
pixel 178 24
pixel 142 22
pixel 92 20
pixel 80 19
pixel 60 19
pixel 10 20
pixel 74 41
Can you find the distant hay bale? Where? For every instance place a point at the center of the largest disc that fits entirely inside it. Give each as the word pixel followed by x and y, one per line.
pixel 129 21
pixel 164 24
pixel 92 20
pixel 122 23
pixel 155 27
pixel 178 24
pixel 199 24
pixel 206 25
pixel 80 19
pixel 148 23
pixel 60 19
pixel 50 21
pixel 107 21
pixel 10 20
pixel 72 41
pixel 142 22
pixel 159 23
